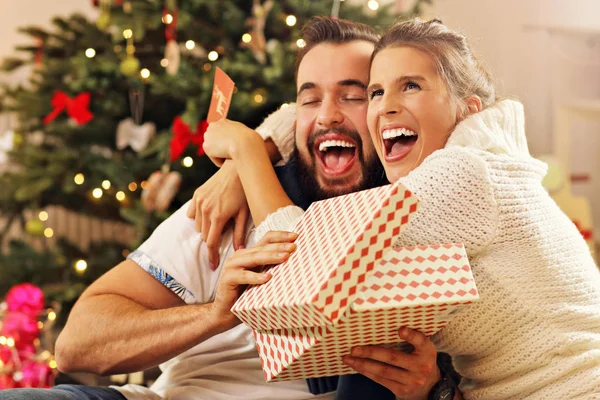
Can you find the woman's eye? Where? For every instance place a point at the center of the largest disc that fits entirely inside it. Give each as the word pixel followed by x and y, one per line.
pixel 411 86
pixel 376 92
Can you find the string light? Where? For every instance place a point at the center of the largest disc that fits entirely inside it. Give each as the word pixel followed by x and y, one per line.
pixel 164 63
pixel 80 266
pixel 127 33
pixel 40 325
pixel 167 19
pixel 43 216
pixel 10 342
pixel 373 4
pixel 300 43
pixel 187 162
pixel 144 184
pixel 52 364
pixel 190 44
pixel 213 55
pixel 51 316
pixel 125 253
pixel 145 73
pixel 258 98
pixel 106 184
pixel 79 178
pixel 285 105
pixel 120 195
pixel 246 38
pixel 97 193
pixel 207 67
pixel 3 340
pixel 132 186
pixel 48 232
pixel 90 53
pixel 290 20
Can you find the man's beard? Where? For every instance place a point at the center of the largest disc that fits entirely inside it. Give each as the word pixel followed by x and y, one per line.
pixel 373 174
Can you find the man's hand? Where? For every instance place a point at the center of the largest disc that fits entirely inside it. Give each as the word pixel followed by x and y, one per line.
pixel 274 248
pixel 219 200
pixel 408 376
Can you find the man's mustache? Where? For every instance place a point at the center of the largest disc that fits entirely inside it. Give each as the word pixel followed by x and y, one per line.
pixel 354 135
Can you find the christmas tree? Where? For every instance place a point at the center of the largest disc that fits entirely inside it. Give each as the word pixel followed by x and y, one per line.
pixel 113 100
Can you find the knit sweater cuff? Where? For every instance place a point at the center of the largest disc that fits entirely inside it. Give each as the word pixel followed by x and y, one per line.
pixel 284 219
pixel 279 127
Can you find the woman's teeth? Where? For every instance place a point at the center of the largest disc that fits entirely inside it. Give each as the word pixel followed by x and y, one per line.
pixel 393 133
pixel 326 144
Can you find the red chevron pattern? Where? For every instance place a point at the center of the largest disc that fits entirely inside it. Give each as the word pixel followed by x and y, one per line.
pixel 319 281
pixel 421 287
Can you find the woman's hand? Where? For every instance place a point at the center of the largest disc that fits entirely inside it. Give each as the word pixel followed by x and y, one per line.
pixel 224 137
pixel 408 376
pixel 274 248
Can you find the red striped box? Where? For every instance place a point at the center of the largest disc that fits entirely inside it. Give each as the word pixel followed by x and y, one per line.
pixel 345 286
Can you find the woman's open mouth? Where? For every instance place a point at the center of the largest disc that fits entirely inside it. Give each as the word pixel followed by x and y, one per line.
pixel 337 153
pixel 398 142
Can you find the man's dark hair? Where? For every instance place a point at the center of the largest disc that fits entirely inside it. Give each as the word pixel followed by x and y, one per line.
pixel 331 30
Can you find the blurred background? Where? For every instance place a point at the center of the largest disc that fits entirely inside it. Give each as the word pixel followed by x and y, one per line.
pixel 102 105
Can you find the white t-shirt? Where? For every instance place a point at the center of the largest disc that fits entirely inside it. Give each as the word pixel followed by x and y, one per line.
pixel 226 366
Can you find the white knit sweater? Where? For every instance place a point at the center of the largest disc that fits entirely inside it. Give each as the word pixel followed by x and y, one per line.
pixel 535 333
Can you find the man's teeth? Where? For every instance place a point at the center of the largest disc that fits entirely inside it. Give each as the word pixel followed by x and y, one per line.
pixel 334 143
pixel 392 133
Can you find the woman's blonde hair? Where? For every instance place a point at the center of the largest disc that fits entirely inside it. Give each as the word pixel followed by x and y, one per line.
pixel 462 74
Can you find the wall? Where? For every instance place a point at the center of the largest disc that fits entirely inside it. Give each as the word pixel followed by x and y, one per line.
pixel 541 69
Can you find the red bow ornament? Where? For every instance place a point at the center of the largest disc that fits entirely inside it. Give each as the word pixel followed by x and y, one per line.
pixel 77 107
pixel 182 136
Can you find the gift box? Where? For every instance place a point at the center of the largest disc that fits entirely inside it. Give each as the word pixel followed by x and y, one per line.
pixel 346 286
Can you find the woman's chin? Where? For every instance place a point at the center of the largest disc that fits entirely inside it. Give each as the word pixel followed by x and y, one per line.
pixel 393 174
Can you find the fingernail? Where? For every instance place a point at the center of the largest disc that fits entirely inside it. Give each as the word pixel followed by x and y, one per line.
pixel 241 246
pixel 213 266
pixel 265 275
pixel 290 246
pixel 357 351
pixel 403 331
pixel 283 255
pixel 348 360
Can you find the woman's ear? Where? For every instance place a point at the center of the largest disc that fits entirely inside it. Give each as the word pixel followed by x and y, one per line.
pixel 473 104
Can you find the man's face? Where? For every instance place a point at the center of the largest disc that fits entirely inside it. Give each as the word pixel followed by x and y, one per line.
pixel 334 151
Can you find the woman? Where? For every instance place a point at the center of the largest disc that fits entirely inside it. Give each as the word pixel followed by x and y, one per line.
pixel 438 129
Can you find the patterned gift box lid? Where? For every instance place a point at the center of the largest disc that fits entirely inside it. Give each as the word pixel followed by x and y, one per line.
pixel 340 241
pixel 419 287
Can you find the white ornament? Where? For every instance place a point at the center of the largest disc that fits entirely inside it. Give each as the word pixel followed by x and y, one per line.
pixel 173 57
pixel 133 135
pixel 7 142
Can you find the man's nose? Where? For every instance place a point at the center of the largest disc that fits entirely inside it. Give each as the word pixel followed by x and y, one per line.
pixel 330 114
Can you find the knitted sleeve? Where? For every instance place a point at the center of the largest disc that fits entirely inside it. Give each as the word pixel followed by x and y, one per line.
pixel 279 127
pixel 284 219
pixel 457 203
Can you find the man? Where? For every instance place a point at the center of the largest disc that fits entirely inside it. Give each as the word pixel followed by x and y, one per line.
pixel 155 307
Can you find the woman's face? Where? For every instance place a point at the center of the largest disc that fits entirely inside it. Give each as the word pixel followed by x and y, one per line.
pixel 411 114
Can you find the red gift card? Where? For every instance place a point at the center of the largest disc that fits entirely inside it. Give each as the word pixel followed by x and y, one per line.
pixel 221 96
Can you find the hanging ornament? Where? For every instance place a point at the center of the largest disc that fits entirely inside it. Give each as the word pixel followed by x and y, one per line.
pixel 133 135
pixel 258 43
pixel 161 189
pixel 77 107
pixel 7 142
pixel 130 132
pixel 130 66
pixel 172 52
pixel 103 21
pixel 182 136
pixel 35 227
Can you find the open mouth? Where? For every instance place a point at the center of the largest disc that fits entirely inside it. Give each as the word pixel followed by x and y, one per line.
pixel 398 142
pixel 337 153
